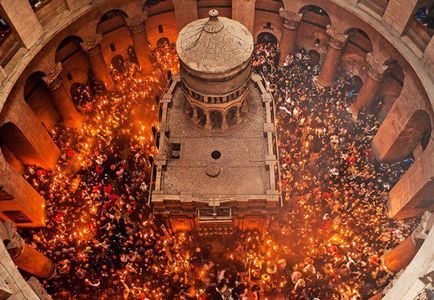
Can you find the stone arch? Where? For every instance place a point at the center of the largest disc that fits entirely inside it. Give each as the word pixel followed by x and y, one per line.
pixel 69 46
pixel 162 13
pixel 267 37
pixel 354 56
pixel 75 65
pixel 116 35
pixel 267 18
pixel 315 15
pixel 312 28
pixel 132 55
pixel 201 116
pixel 359 39
pixel 231 115
pixel 10 157
pixel 356 84
pixel 118 63
pixel 78 96
pixel 15 141
pixel 38 98
pixel 314 57
pixel 162 42
pixel 111 20
pixel 426 138
pixel 216 119
pixel 391 88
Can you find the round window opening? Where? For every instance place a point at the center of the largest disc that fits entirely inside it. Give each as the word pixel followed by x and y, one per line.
pixel 216 154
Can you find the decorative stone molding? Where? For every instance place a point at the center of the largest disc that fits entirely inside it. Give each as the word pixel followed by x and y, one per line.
pixel 422 230
pixel 53 79
pixel 16 243
pixel 375 69
pixel 92 45
pixel 337 39
pixel 136 23
pixel 291 20
pixel 39 290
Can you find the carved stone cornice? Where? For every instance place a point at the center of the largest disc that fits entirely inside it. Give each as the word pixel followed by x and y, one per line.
pixel 92 45
pixel 53 79
pixel 337 39
pixel 376 70
pixel 136 23
pixel 291 20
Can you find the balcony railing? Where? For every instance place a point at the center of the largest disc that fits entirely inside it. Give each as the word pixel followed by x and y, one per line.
pixel 419 34
pixel 268 5
pixel 377 6
pixel 48 10
pixel 8 47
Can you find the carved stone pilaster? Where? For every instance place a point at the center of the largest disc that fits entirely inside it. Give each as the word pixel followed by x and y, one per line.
pixel 136 23
pixel 92 45
pixel 337 40
pixel 291 20
pixel 53 79
pixel 375 69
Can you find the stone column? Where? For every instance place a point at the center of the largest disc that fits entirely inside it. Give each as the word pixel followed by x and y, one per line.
pixel 24 256
pixel 136 26
pixel 238 115
pixel 225 124
pixel 370 86
pixel 337 42
pixel 244 12
pixel 185 12
pixel 291 21
pixel 195 115
pixel 208 123
pixel 400 257
pixel 92 48
pixel 61 99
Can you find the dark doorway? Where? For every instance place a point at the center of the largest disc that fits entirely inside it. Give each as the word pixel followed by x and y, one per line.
pixel 118 63
pixel 267 38
pixel 163 42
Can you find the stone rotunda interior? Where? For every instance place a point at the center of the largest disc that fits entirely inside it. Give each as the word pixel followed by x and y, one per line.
pixel 216 149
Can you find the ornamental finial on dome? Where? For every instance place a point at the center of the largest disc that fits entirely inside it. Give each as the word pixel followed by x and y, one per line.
pixel 213 25
pixel 213 14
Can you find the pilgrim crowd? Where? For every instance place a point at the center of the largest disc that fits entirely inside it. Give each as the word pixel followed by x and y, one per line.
pixel 328 240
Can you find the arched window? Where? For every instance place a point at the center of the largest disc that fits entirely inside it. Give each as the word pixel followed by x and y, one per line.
pixel 426 138
pixel 267 38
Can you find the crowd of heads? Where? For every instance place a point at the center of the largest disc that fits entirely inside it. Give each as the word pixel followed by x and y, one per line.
pixel 425 16
pixel 5 30
pixel 334 190
pixel 326 243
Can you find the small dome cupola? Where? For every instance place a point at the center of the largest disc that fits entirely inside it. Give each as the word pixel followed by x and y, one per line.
pixel 215 57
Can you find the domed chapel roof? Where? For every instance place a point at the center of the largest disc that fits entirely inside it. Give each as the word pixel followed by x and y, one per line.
pixel 215 44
